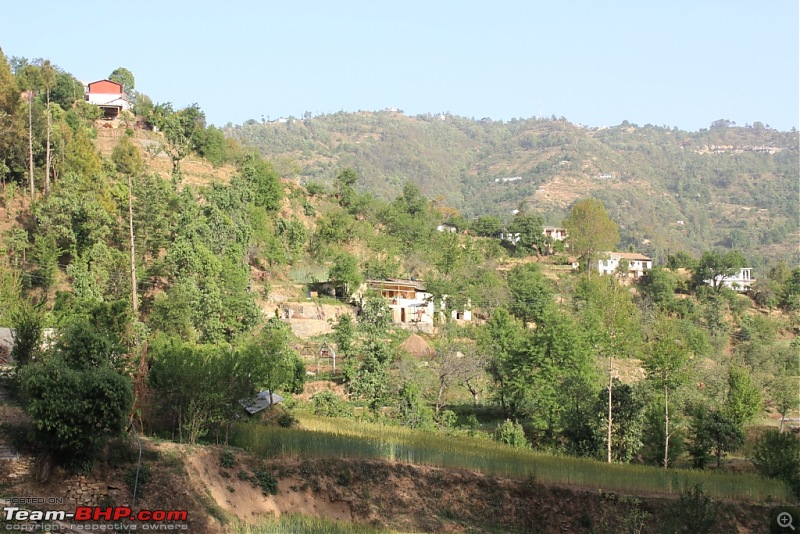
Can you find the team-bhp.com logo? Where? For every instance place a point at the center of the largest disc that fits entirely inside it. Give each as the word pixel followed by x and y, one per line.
pixel 120 515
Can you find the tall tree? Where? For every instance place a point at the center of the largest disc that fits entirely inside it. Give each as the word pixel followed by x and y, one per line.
pixel 666 363
pixel 128 160
pixel 589 228
pixel 532 295
pixel 48 76
pixel 612 323
pixel 28 78
pixel 11 128
pixel 743 401
pixel 502 338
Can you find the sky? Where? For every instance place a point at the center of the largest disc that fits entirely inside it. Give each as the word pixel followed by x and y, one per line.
pixel 595 62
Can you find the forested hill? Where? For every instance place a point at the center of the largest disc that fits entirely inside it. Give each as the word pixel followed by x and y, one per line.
pixel 725 186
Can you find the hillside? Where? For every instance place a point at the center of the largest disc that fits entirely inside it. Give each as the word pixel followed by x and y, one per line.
pixel 160 281
pixel 669 190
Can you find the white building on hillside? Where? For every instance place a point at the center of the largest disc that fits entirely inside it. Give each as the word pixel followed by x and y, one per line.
pixel 637 263
pixel 741 281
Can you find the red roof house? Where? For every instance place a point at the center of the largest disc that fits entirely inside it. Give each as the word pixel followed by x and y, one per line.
pixel 108 96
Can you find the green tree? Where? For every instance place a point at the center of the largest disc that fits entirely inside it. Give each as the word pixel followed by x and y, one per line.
pixel 612 324
pixel 125 77
pixel 531 293
pixel 345 183
pixel 99 402
pixel 449 252
pixel 48 79
pixel 374 317
pixel 743 401
pixel 128 161
pixel 487 226
pixel 29 81
pixel 413 411
pixel 262 182
pixel 179 129
pixel 653 436
pixel 777 455
pixel 783 394
pixel 666 364
pixel 343 331
pixel 714 267
pixel 12 137
pixel 529 228
pixel 502 338
pixel 46 253
pixel 589 229
pixel 626 424
pixel 712 432
pixel 658 286
pixel 276 354
pixel 790 295
pixel 345 270
pixel 28 322
pixel 328 404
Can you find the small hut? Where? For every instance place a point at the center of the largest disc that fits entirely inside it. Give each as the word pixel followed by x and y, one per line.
pixel 416 346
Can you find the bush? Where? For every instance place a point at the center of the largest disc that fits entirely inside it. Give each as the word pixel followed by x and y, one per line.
pixel 777 455
pixel 327 403
pixel 144 477
pixel 267 482
pixel 227 459
pixel 692 512
pixel 286 420
pixel 511 433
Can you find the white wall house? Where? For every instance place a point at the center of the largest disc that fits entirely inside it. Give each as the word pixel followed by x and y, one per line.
pixel 108 96
pixel 741 281
pixel 407 299
pixel 637 263
pixel 555 233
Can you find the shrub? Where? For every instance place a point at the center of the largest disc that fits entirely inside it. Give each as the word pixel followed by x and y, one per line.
pixel 286 420
pixel 329 404
pixel 511 433
pixel 777 455
pixel 693 512
pixel 144 477
pixel 267 482
pixel 227 459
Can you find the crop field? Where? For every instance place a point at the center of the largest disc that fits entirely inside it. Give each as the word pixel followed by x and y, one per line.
pixel 346 438
pixel 298 524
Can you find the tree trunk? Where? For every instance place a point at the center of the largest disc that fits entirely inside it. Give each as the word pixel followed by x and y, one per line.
pixel 30 143
pixel 47 155
pixel 440 396
pixel 610 387
pixel 666 426
pixel 134 297
pixel 473 391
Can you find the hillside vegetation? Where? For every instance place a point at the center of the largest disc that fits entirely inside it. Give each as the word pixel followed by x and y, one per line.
pixel 669 190
pixel 158 276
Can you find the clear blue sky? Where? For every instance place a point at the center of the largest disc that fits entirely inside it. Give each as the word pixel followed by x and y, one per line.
pixel 676 63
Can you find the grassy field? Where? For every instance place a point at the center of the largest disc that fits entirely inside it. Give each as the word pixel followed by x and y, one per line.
pixel 298 524
pixel 346 438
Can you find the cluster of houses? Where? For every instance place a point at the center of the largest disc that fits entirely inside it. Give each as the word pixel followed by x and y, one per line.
pixel 413 307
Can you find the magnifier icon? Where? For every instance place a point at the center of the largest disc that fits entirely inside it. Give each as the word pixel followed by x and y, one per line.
pixel 785 520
